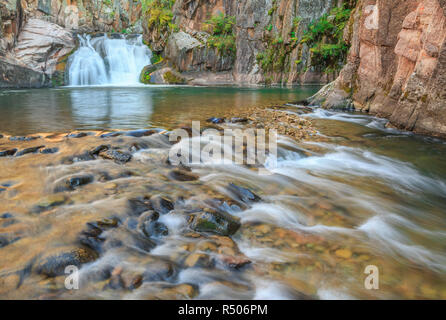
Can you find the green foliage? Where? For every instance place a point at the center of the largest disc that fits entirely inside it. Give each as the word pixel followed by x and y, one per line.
pixel 221 28
pixel 171 78
pixel 325 39
pixel 159 15
pixel 156 58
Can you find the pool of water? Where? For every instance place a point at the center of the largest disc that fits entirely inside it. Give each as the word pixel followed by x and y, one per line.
pixel 97 108
pixel 354 195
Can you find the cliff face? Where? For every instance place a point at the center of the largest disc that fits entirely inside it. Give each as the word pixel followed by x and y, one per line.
pixel 258 23
pixel 396 65
pixel 37 35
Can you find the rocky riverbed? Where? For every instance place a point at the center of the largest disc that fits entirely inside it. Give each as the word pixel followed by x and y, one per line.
pixel 138 227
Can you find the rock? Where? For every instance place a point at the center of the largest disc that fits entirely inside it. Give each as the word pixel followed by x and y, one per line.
pixel 1 136
pixel 6 215
pixel 140 133
pixel 239 120
pixel 344 253
pixel 116 155
pixel 53 264
pixel 243 194
pixel 236 262
pixel 7 153
pixel 71 183
pixel 155 229
pixel 137 206
pixel 181 175
pixel 215 222
pixel 7 239
pixel 49 203
pixel 216 120
pixel 77 135
pixel 159 270
pixel 49 150
pixel 29 150
pixel 92 237
pixel 99 149
pixel 198 260
pixel 161 204
pixel 21 138
pixel 131 240
pixel 111 134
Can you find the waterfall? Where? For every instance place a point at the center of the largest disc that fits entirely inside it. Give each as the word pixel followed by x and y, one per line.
pixel 108 61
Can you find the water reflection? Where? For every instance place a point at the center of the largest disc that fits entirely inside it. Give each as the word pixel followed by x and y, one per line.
pixel 118 108
pixel 90 108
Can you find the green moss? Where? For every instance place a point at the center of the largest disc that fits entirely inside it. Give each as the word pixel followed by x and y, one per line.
pixel 171 78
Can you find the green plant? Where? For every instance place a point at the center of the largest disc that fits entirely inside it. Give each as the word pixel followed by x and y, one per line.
pixel 325 39
pixel 159 14
pixel 221 28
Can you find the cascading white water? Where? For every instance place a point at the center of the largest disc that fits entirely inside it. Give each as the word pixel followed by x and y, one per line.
pixel 108 61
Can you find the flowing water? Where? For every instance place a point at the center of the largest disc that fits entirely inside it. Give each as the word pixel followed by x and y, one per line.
pixel 353 195
pixel 108 61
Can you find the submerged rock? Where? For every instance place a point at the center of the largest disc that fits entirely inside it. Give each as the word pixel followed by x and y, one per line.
pixel 7 153
pixel 138 206
pixel 29 150
pixel 243 194
pixel 116 155
pixel 54 264
pixel 215 222
pixel 216 120
pixel 161 204
pixel 49 203
pixel 49 150
pixel 77 135
pixel 71 183
pixel 140 133
pixel 182 175
pixel 21 138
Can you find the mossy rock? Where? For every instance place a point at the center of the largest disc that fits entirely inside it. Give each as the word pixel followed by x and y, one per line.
pixel 215 222
pixel 146 73
pixel 172 77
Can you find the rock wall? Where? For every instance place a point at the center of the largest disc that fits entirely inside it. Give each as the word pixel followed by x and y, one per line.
pixel 186 48
pixel 39 34
pixel 396 65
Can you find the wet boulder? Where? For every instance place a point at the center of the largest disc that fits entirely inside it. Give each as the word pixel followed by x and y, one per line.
pixel 111 134
pixel 239 120
pixel 72 182
pixel 216 120
pixel 155 229
pixel 182 175
pixel 116 155
pixel 150 227
pixel 161 205
pixel 137 206
pixel 49 150
pixel 9 152
pixel 77 135
pixel 28 150
pixel 219 223
pixel 140 133
pixel 49 203
pixel 21 138
pixel 95 151
pixel 92 235
pixel 7 239
pixel 53 264
pixel 243 194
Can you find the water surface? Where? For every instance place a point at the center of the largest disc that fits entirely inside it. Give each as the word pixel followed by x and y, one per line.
pixel 98 108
